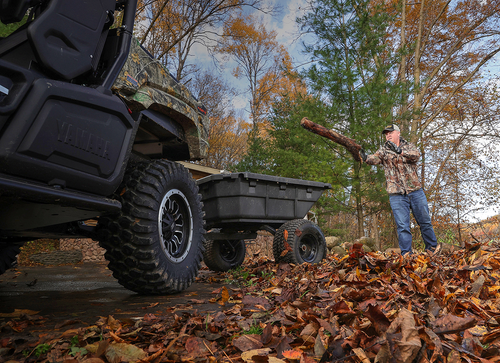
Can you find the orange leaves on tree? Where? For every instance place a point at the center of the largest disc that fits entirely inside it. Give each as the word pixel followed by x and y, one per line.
pixel 261 60
pixel 227 142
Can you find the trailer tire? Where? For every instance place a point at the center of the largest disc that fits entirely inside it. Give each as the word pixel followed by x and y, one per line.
pixel 224 255
pixel 304 241
pixel 8 256
pixel 155 245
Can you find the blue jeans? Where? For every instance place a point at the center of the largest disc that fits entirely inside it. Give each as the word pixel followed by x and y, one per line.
pixel 417 202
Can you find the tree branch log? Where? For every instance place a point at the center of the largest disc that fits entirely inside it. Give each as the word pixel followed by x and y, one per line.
pixel 348 143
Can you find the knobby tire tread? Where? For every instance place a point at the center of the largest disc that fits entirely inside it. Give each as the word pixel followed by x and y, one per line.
pixel 129 238
pixel 213 259
pixel 279 242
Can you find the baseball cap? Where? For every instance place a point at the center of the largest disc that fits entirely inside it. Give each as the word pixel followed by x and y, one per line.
pixel 391 127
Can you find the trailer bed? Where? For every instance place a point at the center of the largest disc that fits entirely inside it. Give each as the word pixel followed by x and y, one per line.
pixel 249 200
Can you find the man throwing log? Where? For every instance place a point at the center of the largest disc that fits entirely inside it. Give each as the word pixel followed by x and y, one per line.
pixel 399 160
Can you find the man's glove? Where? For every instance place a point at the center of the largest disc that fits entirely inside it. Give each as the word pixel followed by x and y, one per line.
pixel 393 147
pixel 363 155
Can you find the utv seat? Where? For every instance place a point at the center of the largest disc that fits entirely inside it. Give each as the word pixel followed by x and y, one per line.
pixel 66 39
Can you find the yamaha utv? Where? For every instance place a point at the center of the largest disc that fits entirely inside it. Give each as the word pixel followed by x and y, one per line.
pixel 90 129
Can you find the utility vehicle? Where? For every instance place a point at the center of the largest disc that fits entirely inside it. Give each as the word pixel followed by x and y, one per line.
pixel 90 128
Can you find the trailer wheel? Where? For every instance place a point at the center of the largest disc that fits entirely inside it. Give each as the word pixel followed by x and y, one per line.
pixel 8 256
pixel 224 255
pixel 155 245
pixel 304 241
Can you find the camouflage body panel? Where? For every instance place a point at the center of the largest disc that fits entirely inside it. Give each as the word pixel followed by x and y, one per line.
pixel 145 84
pixel 400 169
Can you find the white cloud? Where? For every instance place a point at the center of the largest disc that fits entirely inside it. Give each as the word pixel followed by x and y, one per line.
pixel 239 102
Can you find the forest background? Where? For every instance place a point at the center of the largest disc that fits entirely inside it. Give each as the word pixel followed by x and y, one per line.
pixel 354 66
pixel 364 63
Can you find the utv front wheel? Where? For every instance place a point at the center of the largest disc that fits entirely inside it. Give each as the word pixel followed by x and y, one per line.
pixel 298 241
pixel 224 255
pixel 155 245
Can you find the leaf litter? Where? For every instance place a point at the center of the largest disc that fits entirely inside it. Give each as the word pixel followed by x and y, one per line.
pixel 364 307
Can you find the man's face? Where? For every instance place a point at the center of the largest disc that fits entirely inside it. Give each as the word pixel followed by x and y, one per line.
pixel 393 136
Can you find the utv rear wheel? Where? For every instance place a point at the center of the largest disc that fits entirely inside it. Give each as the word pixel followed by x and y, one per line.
pixel 298 241
pixel 224 255
pixel 155 246
pixel 8 256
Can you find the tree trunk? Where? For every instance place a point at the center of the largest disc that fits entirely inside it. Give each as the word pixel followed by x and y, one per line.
pixel 375 234
pixel 402 73
pixel 418 94
pixel 358 199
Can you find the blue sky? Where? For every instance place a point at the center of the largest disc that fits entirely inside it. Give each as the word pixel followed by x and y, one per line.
pixel 287 34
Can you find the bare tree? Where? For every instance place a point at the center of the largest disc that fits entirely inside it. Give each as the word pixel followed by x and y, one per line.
pixel 170 28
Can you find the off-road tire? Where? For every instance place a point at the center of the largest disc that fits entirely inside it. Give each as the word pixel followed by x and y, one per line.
pixel 143 256
pixel 224 255
pixel 8 256
pixel 305 240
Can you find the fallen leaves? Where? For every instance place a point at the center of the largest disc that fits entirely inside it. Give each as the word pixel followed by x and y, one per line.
pixel 123 352
pixel 364 307
pixel 452 324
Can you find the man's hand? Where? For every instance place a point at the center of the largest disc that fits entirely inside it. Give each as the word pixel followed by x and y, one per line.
pixel 393 147
pixel 363 155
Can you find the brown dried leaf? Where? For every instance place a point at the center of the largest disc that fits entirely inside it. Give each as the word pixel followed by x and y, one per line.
pixel 267 334
pixel 360 353
pixel 409 343
pixel 433 342
pixel 327 326
pixel 309 329
pixel 196 347
pixel 123 352
pixel 491 336
pixel 284 344
pixel 319 347
pixel 452 324
pixel 113 323
pixel 249 355
pixel 378 318
pixel 250 301
pixel 248 342
pixel 341 308
pixel 287 248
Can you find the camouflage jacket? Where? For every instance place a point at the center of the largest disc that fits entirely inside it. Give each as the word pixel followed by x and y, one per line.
pixel 400 170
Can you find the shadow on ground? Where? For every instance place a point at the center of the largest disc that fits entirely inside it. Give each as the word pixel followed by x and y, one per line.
pixel 86 291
